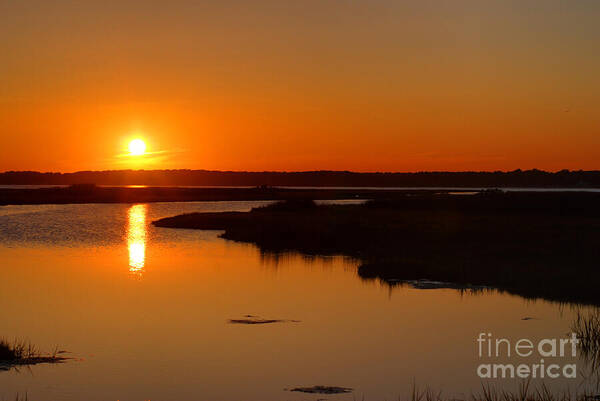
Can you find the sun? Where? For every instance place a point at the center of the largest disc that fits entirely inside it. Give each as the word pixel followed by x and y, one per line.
pixel 137 147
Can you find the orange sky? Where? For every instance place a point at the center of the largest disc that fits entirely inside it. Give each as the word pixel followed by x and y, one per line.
pixel 328 84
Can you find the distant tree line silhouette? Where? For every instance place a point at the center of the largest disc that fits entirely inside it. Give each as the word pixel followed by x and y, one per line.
pixel 516 178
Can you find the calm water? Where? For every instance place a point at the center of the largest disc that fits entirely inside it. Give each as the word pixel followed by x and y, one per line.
pixel 144 311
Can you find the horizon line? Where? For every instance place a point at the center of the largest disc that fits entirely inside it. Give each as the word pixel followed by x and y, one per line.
pixel 566 170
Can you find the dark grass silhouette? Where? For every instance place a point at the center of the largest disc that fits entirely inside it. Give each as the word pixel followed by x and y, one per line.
pixel 586 326
pixel 524 392
pixel 22 353
pixel 531 244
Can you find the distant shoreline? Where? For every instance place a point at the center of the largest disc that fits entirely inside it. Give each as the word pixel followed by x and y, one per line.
pixel 340 179
pixel 443 189
pixel 82 194
pixel 94 194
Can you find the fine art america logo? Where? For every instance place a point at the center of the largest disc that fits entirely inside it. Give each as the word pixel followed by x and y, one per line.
pixel 490 347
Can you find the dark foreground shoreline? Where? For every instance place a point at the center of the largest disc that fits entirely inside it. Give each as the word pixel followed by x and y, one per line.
pixel 537 245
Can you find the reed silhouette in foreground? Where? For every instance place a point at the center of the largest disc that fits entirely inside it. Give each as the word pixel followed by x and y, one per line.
pixel 531 244
pixel 23 353
pixel 586 326
pixel 524 392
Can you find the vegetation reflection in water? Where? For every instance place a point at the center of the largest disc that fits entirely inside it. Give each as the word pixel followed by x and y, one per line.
pixel 136 238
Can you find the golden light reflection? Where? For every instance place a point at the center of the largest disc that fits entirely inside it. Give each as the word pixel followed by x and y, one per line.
pixel 136 238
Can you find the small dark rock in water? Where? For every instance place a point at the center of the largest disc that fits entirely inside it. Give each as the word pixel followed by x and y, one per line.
pixel 251 319
pixel 322 390
pixel 529 318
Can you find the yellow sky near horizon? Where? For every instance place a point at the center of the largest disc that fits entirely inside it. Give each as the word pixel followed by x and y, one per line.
pixel 268 85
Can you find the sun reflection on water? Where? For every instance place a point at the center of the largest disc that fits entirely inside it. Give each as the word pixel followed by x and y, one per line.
pixel 136 238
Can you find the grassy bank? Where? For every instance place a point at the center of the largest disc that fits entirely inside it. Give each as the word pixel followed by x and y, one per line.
pixel 524 392
pixel 22 353
pixel 532 244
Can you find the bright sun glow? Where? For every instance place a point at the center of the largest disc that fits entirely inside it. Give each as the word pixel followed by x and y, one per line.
pixel 137 147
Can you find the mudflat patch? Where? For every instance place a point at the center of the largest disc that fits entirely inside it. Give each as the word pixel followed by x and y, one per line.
pixel 322 390
pixel 252 319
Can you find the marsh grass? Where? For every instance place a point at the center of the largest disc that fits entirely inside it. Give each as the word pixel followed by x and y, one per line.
pixel 534 245
pixel 524 392
pixel 17 350
pixel 22 353
pixel 587 328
